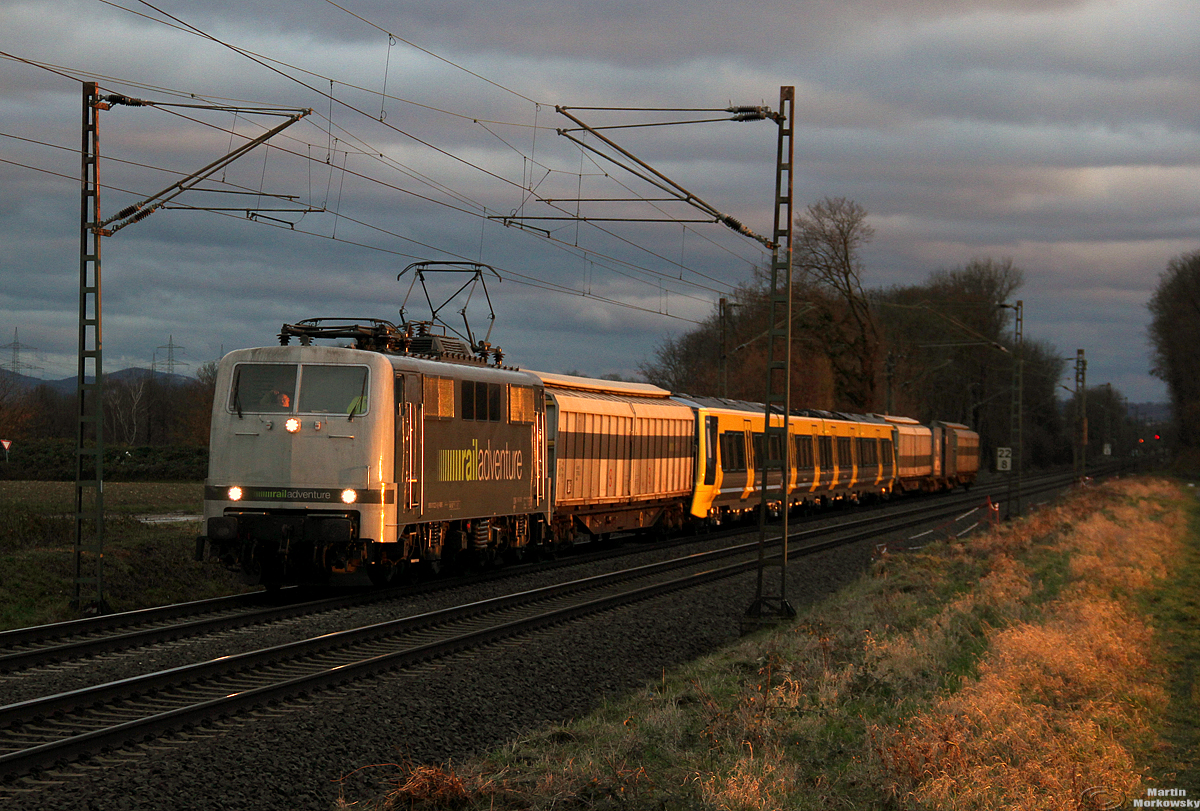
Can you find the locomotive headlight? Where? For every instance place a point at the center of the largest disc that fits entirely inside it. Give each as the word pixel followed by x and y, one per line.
pixel 292 425
pixel 235 494
pixel 349 496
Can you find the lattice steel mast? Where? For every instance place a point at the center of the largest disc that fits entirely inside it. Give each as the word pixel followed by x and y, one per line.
pixel 770 605
pixel 89 445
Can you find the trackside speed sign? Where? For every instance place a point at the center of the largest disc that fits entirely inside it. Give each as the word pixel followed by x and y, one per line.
pixel 1003 459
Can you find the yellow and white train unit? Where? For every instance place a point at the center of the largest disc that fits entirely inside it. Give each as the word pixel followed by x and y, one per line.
pixel 413 448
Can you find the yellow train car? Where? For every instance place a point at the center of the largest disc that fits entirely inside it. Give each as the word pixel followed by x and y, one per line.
pixel 854 455
pixel 830 458
pixel 728 458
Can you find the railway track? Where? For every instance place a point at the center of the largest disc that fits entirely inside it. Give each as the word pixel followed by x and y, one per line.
pixel 32 647
pixel 41 732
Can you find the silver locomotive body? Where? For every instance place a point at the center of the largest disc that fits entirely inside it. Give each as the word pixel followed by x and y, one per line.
pixel 328 460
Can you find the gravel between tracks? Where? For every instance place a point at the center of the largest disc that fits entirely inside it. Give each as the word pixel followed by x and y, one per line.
pixel 305 755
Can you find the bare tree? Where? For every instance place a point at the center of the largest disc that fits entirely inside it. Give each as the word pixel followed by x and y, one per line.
pixel 126 402
pixel 826 250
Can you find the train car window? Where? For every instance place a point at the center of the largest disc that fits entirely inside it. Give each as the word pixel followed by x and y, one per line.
pixel 333 389
pixel 520 405
pixel 481 401
pixel 439 398
pixel 733 451
pixel 468 399
pixel 776 446
pixel 263 388
pixel 845 451
pixel 804 451
pixel 825 446
pixel 494 399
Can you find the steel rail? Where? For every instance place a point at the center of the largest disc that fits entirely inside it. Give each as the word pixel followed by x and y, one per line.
pixel 16 718
pixel 91 636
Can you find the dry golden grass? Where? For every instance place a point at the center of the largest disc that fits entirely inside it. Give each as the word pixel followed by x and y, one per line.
pixel 1060 698
pixel 1007 671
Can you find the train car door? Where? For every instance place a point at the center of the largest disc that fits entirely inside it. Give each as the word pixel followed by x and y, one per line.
pixel 939 449
pixel 751 460
pixel 710 450
pixel 950 457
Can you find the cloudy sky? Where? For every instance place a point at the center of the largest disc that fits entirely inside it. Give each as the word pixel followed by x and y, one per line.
pixel 1063 134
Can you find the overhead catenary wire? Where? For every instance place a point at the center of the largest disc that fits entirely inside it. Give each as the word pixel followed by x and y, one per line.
pixel 518 277
pixel 331 98
pixel 184 26
pixel 527 279
pixel 742 113
pixel 368 178
pixel 466 204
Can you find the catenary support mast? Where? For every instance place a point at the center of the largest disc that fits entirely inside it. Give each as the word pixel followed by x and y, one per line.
pixel 772 604
pixel 89 385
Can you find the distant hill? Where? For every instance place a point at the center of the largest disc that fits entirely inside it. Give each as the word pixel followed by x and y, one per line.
pixel 67 385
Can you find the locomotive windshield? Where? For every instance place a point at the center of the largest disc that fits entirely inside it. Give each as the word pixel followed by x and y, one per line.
pixel 276 388
pixel 333 389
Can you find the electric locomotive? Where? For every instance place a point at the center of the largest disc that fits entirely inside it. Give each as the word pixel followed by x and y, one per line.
pixel 408 448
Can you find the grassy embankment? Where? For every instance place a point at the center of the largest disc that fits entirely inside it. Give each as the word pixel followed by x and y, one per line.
pixel 145 564
pixel 1050 664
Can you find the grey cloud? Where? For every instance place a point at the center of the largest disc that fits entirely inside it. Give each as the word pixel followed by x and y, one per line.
pixel 1059 133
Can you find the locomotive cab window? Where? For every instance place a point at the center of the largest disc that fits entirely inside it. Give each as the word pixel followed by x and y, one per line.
pixel 333 389
pixel 481 401
pixel 263 388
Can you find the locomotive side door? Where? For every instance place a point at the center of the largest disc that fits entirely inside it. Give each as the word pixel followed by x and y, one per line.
pixel 551 434
pixel 410 441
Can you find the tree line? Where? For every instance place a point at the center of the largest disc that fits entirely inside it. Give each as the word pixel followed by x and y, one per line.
pixel 943 349
pixel 1175 343
pixel 147 419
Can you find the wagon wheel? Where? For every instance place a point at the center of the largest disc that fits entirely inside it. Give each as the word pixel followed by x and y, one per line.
pixel 386 573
